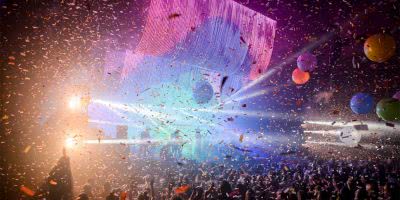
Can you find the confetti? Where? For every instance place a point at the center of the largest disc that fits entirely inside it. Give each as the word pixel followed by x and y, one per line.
pixel 27 191
pixel 241 138
pixel 182 189
pixel 174 15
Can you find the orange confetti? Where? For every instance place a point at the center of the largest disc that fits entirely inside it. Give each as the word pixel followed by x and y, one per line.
pixel 123 195
pixel 241 138
pixel 299 102
pixel 27 191
pixel 52 182
pixel 182 189
pixel 26 150
pixel 286 168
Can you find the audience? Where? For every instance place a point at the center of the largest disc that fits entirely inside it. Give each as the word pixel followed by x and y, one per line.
pixel 281 179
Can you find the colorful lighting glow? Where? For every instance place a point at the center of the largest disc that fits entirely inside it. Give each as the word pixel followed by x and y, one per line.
pixel 70 143
pixel 74 102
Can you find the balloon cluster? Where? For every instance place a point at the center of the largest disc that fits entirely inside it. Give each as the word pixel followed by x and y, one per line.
pixel 387 109
pixel 306 63
pixel 378 48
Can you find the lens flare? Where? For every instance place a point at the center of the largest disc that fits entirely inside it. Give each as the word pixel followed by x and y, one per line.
pixel 70 143
pixel 74 102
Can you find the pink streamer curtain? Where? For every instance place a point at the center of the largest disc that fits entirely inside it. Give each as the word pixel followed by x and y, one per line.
pixel 170 21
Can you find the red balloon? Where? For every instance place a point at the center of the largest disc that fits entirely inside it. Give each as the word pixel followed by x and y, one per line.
pixel 299 77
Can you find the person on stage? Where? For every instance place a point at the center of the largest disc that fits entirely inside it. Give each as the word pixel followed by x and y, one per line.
pixel 145 146
pixel 176 146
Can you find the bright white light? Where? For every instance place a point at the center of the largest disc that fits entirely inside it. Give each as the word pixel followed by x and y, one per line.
pixel 323 132
pixel 74 102
pixel 378 127
pixel 247 96
pixel 149 111
pixel 135 141
pixel 70 142
pixel 276 68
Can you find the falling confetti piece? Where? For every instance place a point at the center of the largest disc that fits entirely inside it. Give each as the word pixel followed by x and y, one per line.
pixel 390 124
pixel 242 40
pixel 27 148
pixel 27 191
pixel 52 182
pixel 182 189
pixel 241 149
pixel 224 79
pixel 241 138
pixel 174 15
pixel 361 127
pixel 286 168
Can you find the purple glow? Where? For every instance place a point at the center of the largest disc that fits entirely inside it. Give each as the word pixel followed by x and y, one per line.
pixel 397 95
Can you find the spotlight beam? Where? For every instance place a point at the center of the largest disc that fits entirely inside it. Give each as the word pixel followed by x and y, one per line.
pixel 242 113
pixel 135 109
pixel 322 132
pixel 365 146
pixel 142 109
pixel 134 141
pixel 277 67
pixel 95 121
pixel 199 118
pixel 382 126
pixel 248 96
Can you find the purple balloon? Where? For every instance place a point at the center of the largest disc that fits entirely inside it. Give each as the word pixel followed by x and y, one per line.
pixel 397 95
pixel 307 62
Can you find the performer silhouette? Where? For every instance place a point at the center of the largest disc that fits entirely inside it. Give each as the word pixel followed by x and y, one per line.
pixel 145 146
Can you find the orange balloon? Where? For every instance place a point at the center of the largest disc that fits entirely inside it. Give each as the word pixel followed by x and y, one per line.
pixel 380 47
pixel 300 77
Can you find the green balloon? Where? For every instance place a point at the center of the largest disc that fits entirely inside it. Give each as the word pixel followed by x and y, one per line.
pixel 388 109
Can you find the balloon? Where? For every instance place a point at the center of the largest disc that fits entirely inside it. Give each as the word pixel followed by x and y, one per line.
pixel 307 62
pixel 202 92
pixel 361 103
pixel 350 136
pixel 379 47
pixel 397 95
pixel 300 77
pixel 388 109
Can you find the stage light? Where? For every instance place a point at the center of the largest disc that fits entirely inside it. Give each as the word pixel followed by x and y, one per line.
pixel 70 143
pixel 280 65
pixel 245 97
pixel 74 102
